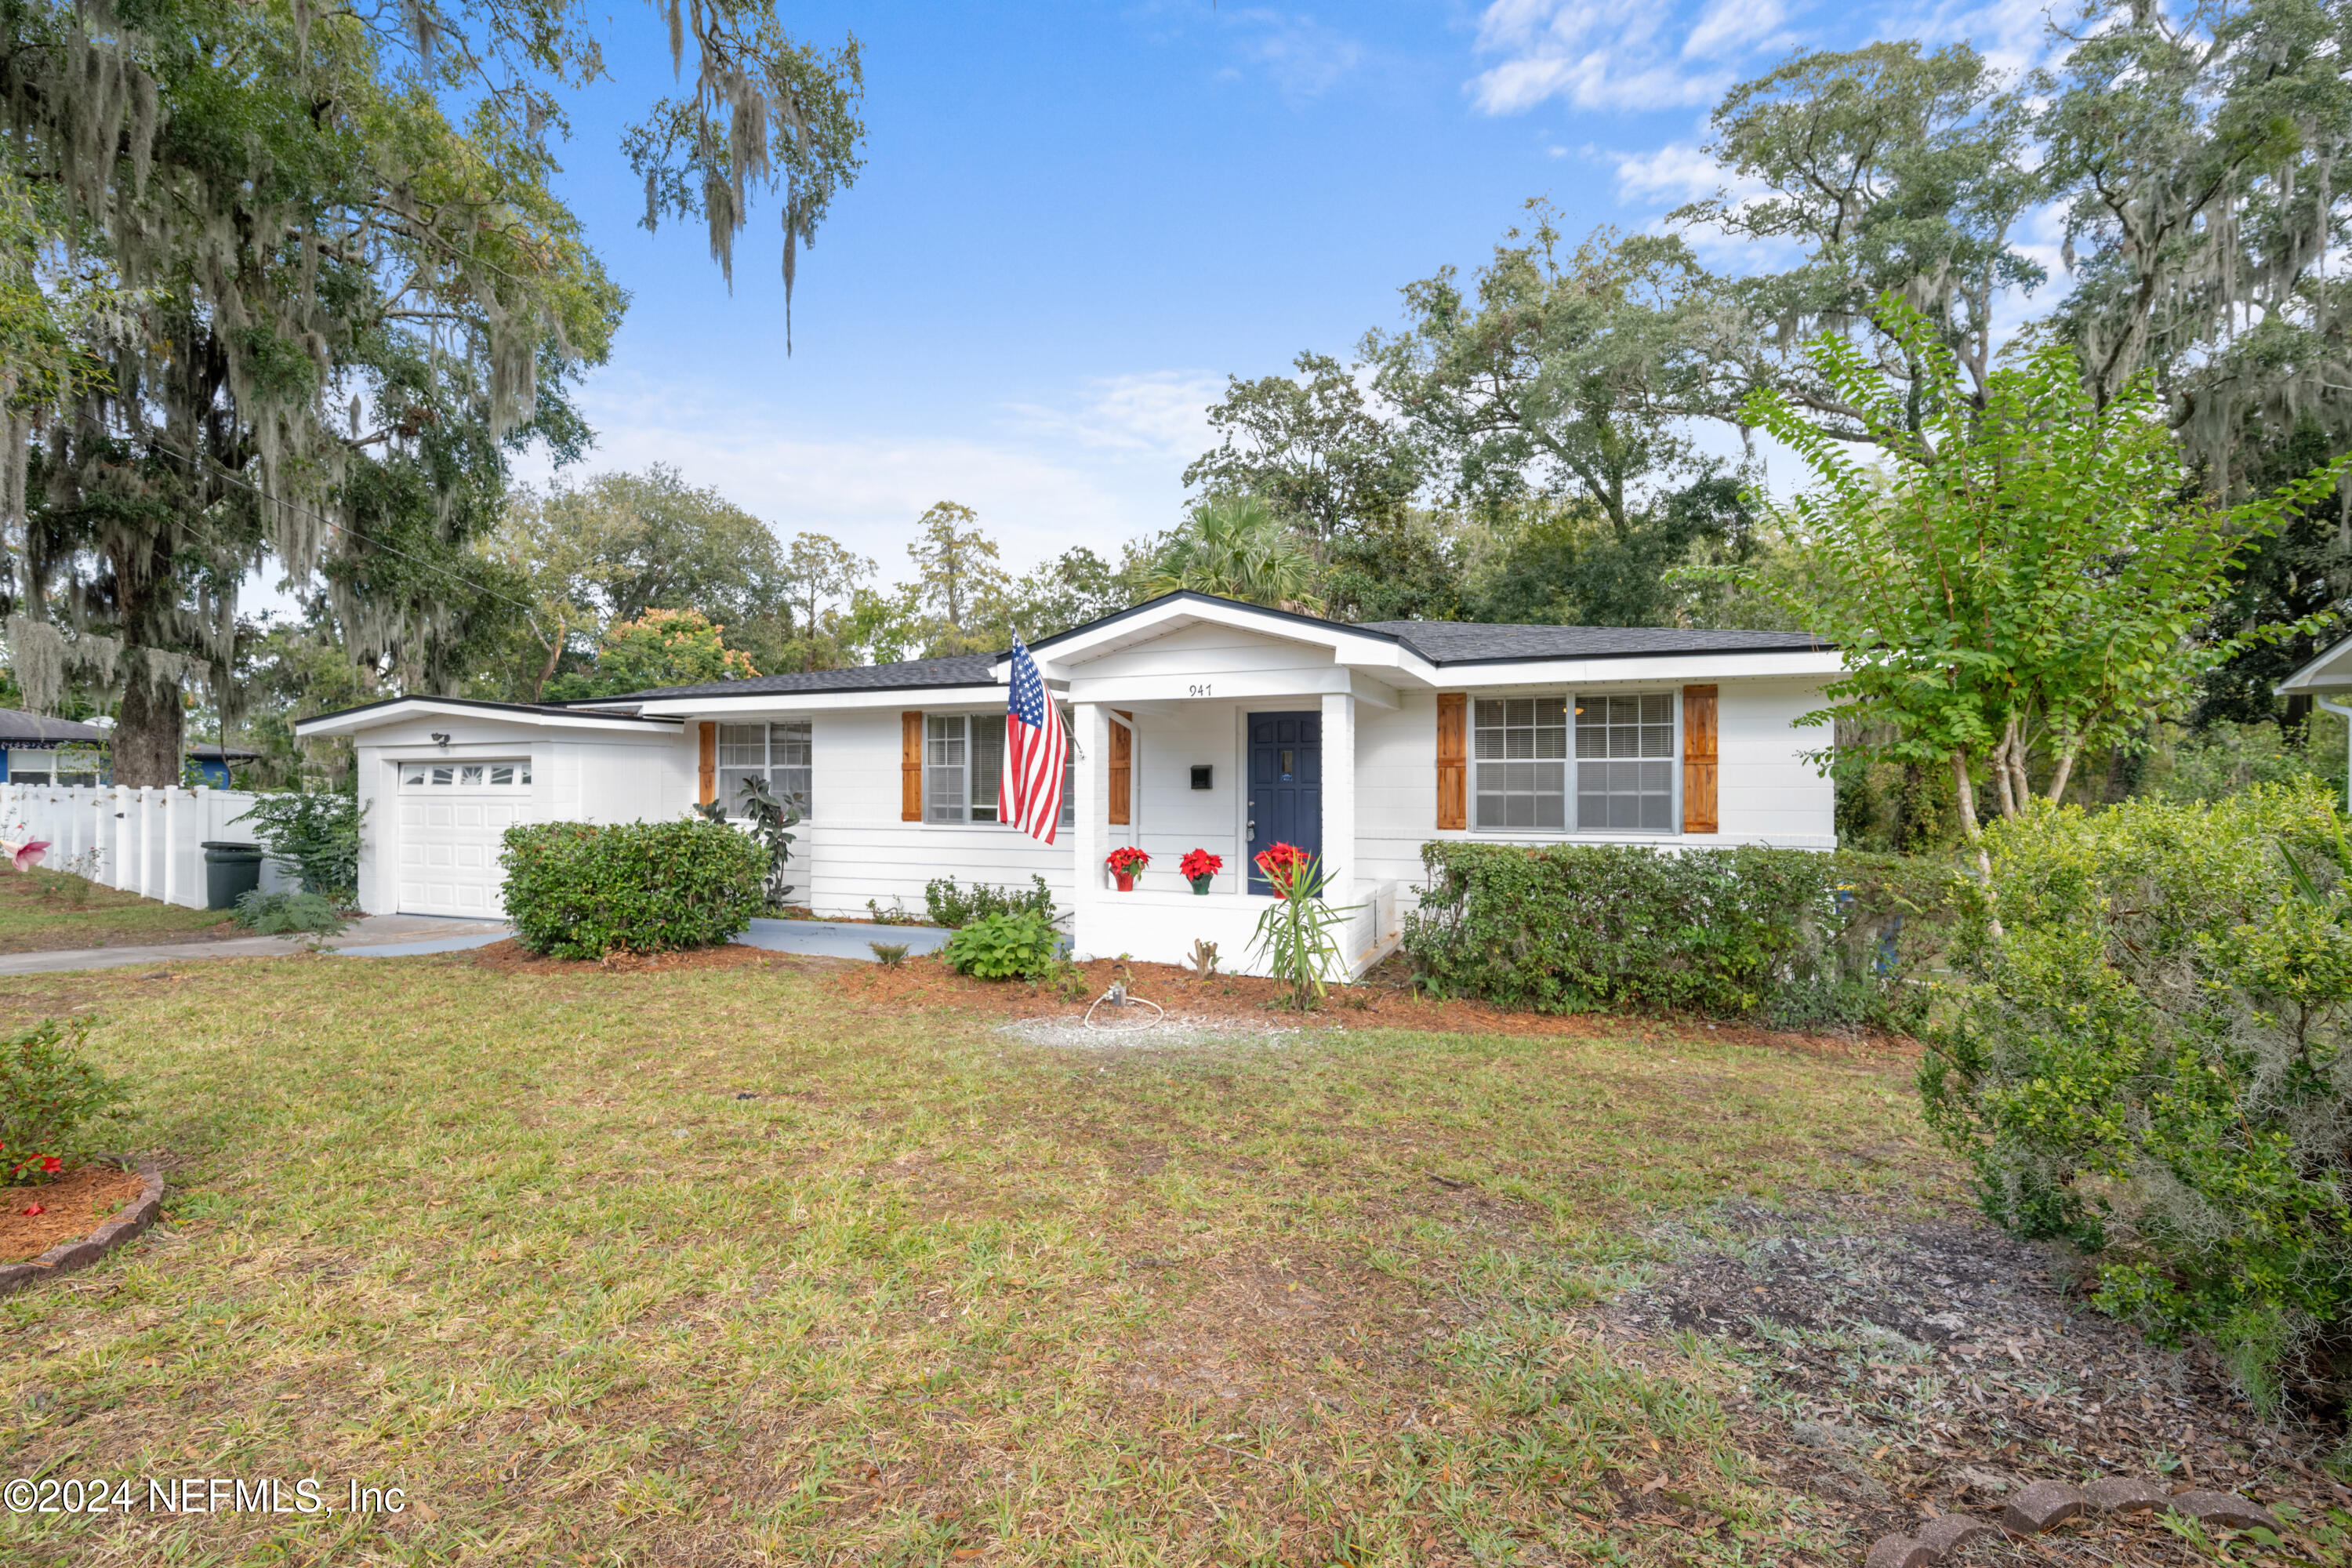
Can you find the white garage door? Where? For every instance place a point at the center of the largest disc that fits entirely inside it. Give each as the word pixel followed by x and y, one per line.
pixel 451 814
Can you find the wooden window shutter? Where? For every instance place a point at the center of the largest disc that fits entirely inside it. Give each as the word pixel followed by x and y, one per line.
pixel 1698 759
pixel 1122 770
pixel 910 767
pixel 707 786
pixel 1453 759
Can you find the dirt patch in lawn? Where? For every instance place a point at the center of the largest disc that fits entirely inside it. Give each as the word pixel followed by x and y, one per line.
pixel 73 1205
pixel 1385 999
pixel 1898 1370
pixel 1223 1004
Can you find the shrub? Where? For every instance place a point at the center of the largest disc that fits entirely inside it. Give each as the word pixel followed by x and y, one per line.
pixel 1799 935
pixel 280 914
pixel 1005 947
pixel 50 1094
pixel 770 822
pixel 577 890
pixel 956 907
pixel 2150 1061
pixel 315 836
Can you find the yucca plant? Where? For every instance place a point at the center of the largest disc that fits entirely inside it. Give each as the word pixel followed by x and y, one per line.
pixel 1297 935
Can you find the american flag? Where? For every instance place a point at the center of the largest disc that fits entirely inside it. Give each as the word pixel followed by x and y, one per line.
pixel 1036 747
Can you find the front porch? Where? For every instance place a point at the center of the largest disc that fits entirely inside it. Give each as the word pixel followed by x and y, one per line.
pixel 1169 775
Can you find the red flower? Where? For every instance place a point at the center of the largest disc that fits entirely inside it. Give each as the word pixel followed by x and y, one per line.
pixel 34 1209
pixel 1126 860
pixel 52 1164
pixel 1199 863
pixel 1281 864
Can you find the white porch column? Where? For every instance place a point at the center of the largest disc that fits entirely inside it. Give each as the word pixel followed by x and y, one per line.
pixel 1340 795
pixel 1091 811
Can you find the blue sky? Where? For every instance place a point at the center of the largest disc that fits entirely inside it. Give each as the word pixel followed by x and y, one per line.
pixel 1074 221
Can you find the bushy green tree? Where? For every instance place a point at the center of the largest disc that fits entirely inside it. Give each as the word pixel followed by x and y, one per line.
pixel 2016 582
pixel 2148 1060
pixel 660 648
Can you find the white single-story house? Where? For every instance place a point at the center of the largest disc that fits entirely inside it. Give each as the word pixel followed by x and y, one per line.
pixel 1198 722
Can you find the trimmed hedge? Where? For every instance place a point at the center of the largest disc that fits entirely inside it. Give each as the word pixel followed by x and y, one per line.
pixel 1800 936
pixel 578 889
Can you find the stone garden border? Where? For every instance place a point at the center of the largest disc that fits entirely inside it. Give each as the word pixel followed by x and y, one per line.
pixel 2045 1505
pixel 127 1223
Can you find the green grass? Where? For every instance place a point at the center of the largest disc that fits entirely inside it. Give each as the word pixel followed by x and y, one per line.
pixel 49 910
pixel 513 1243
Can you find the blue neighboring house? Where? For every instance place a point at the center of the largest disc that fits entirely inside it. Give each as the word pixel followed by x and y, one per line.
pixel 38 750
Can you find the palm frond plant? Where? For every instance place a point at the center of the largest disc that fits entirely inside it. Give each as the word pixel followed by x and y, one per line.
pixel 1298 936
pixel 1235 547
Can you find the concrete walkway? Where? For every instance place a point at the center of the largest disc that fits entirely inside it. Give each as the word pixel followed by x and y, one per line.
pixel 370 936
pixel 399 936
pixel 840 938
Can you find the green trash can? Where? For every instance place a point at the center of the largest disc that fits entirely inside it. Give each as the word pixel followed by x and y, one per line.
pixel 231 871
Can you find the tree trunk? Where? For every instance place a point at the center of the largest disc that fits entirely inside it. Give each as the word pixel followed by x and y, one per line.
pixel 2000 774
pixel 1966 790
pixel 554 653
pixel 2295 723
pixel 2058 779
pixel 148 732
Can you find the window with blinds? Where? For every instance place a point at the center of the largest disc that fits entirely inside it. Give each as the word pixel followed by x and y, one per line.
pixel 783 754
pixel 1625 764
pixel 963 768
pixel 1622 750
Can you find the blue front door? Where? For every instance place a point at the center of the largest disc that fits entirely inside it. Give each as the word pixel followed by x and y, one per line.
pixel 1286 787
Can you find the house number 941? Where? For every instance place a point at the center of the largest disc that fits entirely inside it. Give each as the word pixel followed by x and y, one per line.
pixel 1198 690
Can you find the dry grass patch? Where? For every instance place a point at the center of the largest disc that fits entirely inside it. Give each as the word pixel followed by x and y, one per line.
pixel 729 1265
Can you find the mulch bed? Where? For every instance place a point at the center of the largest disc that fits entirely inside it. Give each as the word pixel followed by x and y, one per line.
pixel 1383 999
pixel 74 1205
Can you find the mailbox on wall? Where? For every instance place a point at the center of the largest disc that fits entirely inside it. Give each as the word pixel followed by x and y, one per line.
pixel 1201 775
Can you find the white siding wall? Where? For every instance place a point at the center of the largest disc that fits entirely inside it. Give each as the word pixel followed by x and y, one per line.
pixel 857 849
pixel 1170 815
pixel 1765 790
pixel 1204 653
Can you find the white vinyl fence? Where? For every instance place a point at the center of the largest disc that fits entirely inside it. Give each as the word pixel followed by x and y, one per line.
pixel 143 841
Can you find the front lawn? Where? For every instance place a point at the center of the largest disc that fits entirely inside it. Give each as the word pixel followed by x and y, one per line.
pixel 47 911
pixel 732 1265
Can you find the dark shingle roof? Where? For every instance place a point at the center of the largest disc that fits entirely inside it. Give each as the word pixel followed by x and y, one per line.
pixel 1472 642
pixel 1440 642
pixel 19 728
pixel 962 669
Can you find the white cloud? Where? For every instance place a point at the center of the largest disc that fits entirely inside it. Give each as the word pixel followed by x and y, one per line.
pixel 1734 29
pixel 1670 175
pixel 1163 414
pixel 1615 53
pixel 1102 470
pixel 1305 57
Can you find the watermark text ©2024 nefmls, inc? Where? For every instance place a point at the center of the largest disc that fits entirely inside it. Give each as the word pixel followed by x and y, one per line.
pixel 198 1494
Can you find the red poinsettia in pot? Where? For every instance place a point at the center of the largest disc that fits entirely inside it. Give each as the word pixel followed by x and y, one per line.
pixel 1198 867
pixel 1283 865
pixel 1124 862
